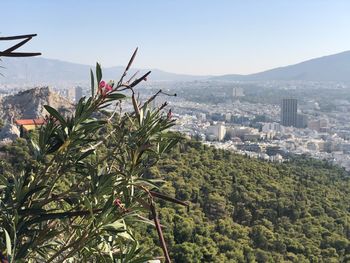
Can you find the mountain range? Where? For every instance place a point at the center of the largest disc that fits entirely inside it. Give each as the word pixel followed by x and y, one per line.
pixel 328 68
pixel 43 71
pixel 46 71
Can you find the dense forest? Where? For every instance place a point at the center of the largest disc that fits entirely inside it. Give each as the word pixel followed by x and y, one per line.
pixel 246 210
pixel 241 209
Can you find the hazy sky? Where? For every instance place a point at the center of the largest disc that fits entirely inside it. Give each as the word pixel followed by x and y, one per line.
pixel 183 36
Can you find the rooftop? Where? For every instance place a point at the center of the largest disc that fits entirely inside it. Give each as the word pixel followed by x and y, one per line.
pixel 36 122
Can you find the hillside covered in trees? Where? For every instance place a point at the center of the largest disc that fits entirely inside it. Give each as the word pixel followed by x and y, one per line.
pixel 241 209
pixel 246 210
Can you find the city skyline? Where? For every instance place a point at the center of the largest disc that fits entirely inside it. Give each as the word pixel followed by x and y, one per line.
pixel 190 37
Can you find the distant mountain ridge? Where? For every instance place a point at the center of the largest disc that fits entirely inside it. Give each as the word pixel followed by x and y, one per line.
pixel 43 71
pixel 328 68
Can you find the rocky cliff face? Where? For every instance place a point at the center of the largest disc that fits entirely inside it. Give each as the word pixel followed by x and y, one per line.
pixel 29 104
pixel 9 132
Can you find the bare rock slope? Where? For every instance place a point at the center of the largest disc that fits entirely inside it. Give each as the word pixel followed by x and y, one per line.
pixel 29 104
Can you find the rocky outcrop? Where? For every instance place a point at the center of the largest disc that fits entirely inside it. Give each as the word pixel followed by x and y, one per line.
pixel 29 104
pixel 9 132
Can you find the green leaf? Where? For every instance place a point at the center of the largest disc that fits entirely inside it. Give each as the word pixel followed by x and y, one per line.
pixel 3 180
pixel 98 73
pixel 105 105
pixel 91 126
pixel 92 83
pixel 137 81
pixel 141 259
pixel 88 205
pixel 126 235
pixel 85 154
pixel 131 59
pixel 167 198
pixel 117 227
pixel 8 243
pixel 116 96
pixel 79 108
pixel 55 114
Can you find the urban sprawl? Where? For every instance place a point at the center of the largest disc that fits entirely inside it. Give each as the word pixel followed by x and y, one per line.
pixel 269 131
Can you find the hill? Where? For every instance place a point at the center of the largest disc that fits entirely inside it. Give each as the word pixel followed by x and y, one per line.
pixel 45 71
pixel 328 68
pixel 241 210
pixel 246 210
pixel 29 104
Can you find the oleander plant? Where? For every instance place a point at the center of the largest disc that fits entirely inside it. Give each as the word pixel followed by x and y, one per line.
pixel 83 189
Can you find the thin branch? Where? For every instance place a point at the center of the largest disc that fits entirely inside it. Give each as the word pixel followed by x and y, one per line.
pixel 167 198
pixel 114 112
pixel 137 81
pixel 9 52
pixel 160 232
pixel 14 47
pixel 17 37
pixel 132 77
pixel 19 54
pixel 127 67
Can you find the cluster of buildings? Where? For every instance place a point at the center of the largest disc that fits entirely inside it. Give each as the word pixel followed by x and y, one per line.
pixel 268 132
pixel 290 115
pixel 72 94
pixel 262 130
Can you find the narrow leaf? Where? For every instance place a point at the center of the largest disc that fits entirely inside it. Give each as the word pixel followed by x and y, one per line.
pixel 55 114
pixel 168 198
pixel 8 243
pixel 92 83
pixel 136 107
pixel 85 154
pixel 116 96
pixel 131 60
pixel 137 81
pixel 98 73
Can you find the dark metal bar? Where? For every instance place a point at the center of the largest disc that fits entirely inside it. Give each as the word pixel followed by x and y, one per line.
pixel 9 52
pixel 17 37
pixel 19 54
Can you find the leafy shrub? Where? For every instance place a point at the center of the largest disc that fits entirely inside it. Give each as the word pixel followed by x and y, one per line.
pixel 86 190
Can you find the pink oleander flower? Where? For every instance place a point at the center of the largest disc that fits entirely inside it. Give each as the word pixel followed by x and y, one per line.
pixel 169 115
pixel 117 202
pixel 104 87
pixel 102 84
pixel 108 88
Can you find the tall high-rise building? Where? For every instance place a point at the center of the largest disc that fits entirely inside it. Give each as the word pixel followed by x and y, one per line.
pixel 218 131
pixel 70 94
pixel 289 115
pixel 302 121
pixel 236 93
pixel 78 93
